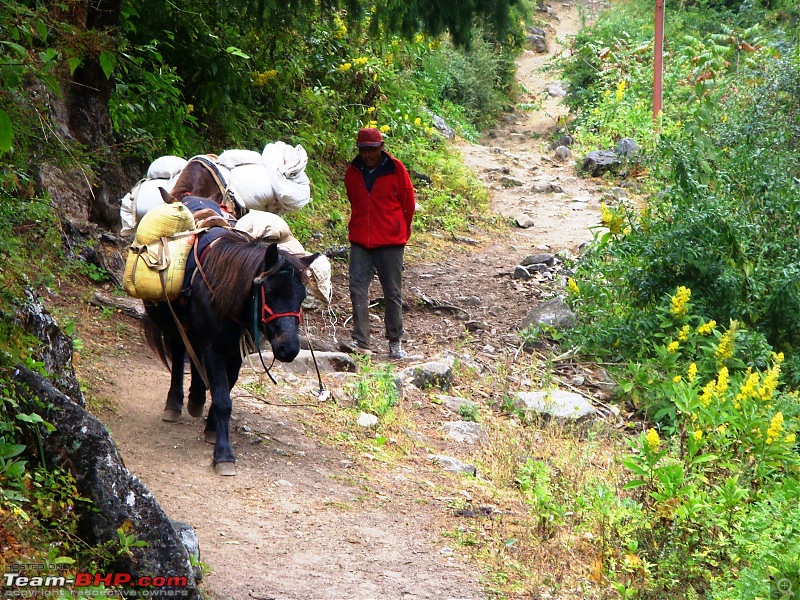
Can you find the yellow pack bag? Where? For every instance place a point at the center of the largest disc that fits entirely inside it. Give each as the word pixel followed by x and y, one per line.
pixel 156 270
pixel 156 262
pixel 163 221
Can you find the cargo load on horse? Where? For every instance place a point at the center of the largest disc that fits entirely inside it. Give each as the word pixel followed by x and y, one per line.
pixel 240 180
pixel 156 263
pixel 251 190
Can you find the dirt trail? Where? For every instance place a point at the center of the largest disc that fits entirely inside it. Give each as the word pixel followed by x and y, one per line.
pixel 301 519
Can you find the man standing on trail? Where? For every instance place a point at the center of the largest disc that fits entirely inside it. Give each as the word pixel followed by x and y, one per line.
pixel 381 210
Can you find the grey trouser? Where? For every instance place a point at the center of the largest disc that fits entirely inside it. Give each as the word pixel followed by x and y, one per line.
pixel 388 262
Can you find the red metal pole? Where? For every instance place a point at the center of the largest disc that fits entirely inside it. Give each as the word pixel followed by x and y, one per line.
pixel 658 63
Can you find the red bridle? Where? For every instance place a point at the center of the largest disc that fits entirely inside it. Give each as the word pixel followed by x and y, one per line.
pixel 267 314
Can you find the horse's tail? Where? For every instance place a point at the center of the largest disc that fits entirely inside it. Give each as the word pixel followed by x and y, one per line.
pixel 155 339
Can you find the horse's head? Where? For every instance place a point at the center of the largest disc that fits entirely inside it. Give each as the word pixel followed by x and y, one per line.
pixel 279 293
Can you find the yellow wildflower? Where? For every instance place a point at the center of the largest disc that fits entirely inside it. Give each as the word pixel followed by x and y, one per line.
pixel 748 390
pixel 611 219
pixel 344 68
pixel 672 347
pixel 261 79
pixel 373 124
pixel 775 428
pixel 722 381
pixel 698 435
pixel 341 28
pixel 371 109
pixel 769 383
pixel 620 90
pixel 708 393
pixel 573 286
pixel 385 129
pixel 707 328
pixel 680 300
pixel 652 439
pixel 789 439
pixel 683 334
pixel 417 121
pixel 677 379
pixel 726 344
pixel 722 429
pixel 691 373
pixel 361 61
pixel 419 37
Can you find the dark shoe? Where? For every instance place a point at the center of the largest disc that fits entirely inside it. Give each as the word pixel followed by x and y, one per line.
pixel 355 347
pixel 396 350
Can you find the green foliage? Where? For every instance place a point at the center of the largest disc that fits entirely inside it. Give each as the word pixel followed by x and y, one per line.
pixel 534 481
pixel 468 411
pixel 376 390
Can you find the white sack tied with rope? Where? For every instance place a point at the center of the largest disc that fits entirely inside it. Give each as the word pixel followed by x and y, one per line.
pixel 144 196
pixel 271 227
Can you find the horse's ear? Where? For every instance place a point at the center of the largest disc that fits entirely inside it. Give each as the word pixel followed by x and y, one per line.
pixel 271 256
pixel 166 196
pixel 307 260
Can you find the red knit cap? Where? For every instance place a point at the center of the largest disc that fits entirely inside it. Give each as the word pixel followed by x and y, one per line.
pixel 369 137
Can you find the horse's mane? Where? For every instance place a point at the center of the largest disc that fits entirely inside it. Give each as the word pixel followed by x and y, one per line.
pixel 231 264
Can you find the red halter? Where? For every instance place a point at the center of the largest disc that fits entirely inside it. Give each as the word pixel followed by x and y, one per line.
pixel 267 314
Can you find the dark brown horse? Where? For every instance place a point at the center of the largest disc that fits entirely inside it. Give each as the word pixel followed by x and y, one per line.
pixel 242 287
pixel 202 177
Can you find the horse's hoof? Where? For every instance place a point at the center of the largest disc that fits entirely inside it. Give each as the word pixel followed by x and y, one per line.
pixel 196 410
pixel 225 468
pixel 171 415
pixel 210 437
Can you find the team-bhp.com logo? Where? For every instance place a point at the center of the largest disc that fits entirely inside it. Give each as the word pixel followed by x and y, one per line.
pixel 16 584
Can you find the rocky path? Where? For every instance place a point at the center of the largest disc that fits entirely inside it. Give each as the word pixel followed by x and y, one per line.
pixel 303 519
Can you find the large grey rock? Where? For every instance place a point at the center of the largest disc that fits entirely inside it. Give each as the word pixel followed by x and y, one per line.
pixel 598 162
pixel 453 465
pixel 57 347
pixel 442 125
pixel 81 444
pixel 465 432
pixel 524 221
pixel 555 313
pixel 433 375
pixel 540 258
pixel 627 148
pixel 303 364
pixel 558 404
pixel 454 403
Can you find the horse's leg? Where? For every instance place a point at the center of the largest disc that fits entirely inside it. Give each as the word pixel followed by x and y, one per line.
pixel 219 414
pixel 210 433
pixel 197 394
pixel 174 405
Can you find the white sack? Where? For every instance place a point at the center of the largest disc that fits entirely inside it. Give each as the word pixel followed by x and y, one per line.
pixel 166 167
pixel 143 197
pixel 252 187
pixel 290 161
pixel 265 225
pixel 321 277
pixel 269 226
pixel 291 194
pixel 126 215
pixel 231 159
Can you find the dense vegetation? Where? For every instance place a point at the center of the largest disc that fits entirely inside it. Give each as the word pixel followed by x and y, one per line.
pixel 691 296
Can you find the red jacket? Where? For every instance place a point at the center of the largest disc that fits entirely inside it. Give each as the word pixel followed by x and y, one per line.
pixel 383 215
